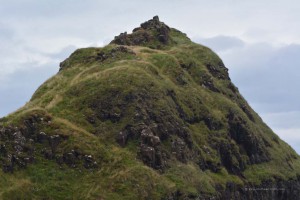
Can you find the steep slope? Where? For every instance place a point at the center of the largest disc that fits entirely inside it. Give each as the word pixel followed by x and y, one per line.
pixel 152 115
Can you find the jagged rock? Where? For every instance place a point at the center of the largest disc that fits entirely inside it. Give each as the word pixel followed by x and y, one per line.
pixel 99 56
pixel 54 141
pixel 149 32
pixel 70 159
pixel 8 165
pixel 42 137
pixel 18 149
pixel 179 149
pixel 148 155
pixel 163 34
pixel 153 23
pixel 231 158
pixel 207 82
pixel 218 71
pixel 121 39
pixel 249 142
pixel 19 138
pixel 3 150
pixel 28 159
pixel 148 138
pixel 246 110
pixel 48 154
pixel 89 162
pixel 122 138
pixel 59 159
pixel 212 123
pixel 214 167
pixel 20 162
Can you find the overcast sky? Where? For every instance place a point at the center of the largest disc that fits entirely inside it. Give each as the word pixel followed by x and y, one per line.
pixel 259 41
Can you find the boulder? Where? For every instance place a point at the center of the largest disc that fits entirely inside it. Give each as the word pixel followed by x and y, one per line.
pixel 122 138
pixel 54 141
pixel 89 162
pixel 42 137
pixel 148 155
pixel 147 137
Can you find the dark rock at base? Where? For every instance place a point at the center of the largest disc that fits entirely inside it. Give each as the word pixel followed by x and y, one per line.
pixel 218 71
pixel 275 190
pixel 268 190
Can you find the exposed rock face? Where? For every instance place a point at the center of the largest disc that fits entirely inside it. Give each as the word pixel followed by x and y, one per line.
pixel 254 147
pixel 241 147
pixel 280 190
pixel 148 34
pixel 20 146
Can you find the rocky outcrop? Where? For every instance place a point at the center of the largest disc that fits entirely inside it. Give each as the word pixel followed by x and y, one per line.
pixel 150 150
pixel 254 146
pixel 19 146
pixel 218 71
pixel 152 33
pixel 96 55
pixel 150 137
pixel 239 148
pixel 275 190
pixel 268 190
pixel 18 143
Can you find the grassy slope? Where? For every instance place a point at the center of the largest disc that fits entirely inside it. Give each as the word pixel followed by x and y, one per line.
pixel 121 175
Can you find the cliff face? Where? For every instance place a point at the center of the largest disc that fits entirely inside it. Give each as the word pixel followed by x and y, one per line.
pixel 150 116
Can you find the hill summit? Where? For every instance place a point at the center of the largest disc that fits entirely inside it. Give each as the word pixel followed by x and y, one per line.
pixel 152 115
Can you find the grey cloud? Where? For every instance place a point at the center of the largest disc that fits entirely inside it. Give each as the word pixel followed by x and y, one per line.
pixel 221 43
pixel 291 136
pixel 283 120
pixel 266 75
pixel 63 54
pixel 6 32
pixel 19 87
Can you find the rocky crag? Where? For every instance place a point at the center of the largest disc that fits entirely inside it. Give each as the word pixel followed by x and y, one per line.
pixel 152 115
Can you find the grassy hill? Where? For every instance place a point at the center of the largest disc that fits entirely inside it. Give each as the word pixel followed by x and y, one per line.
pixel 152 115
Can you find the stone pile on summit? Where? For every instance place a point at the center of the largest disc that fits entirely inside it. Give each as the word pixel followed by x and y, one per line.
pixel 149 32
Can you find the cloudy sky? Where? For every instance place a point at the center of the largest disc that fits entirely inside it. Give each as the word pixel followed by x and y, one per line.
pixel 259 41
